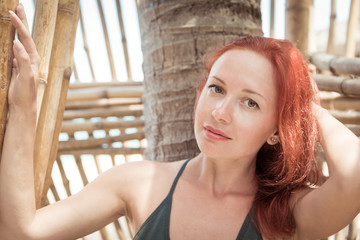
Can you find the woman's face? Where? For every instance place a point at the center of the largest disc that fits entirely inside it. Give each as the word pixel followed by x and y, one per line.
pixel 236 110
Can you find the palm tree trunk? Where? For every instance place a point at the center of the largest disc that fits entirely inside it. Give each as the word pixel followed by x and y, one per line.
pixel 175 36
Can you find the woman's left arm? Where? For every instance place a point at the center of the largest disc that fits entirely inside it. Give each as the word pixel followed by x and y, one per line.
pixel 325 210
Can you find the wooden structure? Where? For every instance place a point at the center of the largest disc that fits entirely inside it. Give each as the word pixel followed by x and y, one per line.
pixel 101 124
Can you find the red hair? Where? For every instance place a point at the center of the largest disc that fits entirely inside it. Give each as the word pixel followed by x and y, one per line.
pixel 290 164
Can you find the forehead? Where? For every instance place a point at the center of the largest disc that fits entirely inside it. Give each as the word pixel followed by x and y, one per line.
pixel 244 65
pixel 238 60
pixel 242 68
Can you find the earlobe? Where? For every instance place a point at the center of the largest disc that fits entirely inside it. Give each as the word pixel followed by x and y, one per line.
pixel 273 140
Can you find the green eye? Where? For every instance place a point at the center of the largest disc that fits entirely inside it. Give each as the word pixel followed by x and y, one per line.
pixel 216 89
pixel 251 103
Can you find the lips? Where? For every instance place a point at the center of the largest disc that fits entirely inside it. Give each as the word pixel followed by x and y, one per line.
pixel 215 133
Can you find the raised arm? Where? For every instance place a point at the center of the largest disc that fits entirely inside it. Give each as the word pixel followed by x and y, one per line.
pixel 97 205
pixel 324 211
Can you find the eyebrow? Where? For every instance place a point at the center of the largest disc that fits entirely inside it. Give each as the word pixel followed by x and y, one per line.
pixel 244 90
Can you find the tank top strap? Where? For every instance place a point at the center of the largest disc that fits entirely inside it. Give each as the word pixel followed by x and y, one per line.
pixel 177 177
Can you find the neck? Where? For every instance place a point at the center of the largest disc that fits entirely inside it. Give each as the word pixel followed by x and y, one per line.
pixel 226 176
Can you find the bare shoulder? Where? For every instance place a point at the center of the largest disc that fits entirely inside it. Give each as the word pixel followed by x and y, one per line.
pixel 142 185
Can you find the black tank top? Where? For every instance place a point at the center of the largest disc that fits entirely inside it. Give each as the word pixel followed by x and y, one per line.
pixel 157 226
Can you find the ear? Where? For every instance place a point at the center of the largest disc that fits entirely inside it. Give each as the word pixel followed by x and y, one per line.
pixel 273 139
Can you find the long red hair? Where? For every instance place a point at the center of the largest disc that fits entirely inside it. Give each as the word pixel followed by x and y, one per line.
pixel 290 164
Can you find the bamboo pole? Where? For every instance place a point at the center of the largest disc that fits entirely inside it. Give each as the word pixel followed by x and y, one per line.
pixel 7 35
pixel 107 41
pixel 343 85
pixel 98 151
pixel 123 40
pixel 272 18
pixel 337 65
pixel 98 142
pixel 65 180
pixel 102 103
pixel 54 191
pixel 104 84
pixel 43 34
pixel 86 47
pixel 85 181
pixel 341 103
pixel 352 235
pixel 76 75
pixel 351 29
pixel 104 92
pixel 297 23
pixel 62 100
pixel 90 126
pixel 341 235
pixel 354 128
pixel 346 117
pixel 119 231
pixel 330 45
pixel 59 61
pixel 54 145
pixel 90 113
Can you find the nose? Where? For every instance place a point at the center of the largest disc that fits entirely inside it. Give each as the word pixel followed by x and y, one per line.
pixel 222 112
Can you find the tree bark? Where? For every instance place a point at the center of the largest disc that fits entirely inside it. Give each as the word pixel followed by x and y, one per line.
pixel 175 36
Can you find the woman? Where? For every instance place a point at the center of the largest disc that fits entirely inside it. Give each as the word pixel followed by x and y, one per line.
pixel 257 128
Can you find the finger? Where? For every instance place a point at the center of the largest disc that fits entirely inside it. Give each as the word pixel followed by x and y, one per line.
pixel 23 34
pixel 23 60
pixel 20 11
pixel 15 71
pixel 15 67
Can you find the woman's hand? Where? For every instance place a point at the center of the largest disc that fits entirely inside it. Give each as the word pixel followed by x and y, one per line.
pixel 23 85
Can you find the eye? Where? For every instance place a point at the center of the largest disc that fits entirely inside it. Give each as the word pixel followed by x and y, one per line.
pixel 251 103
pixel 216 89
